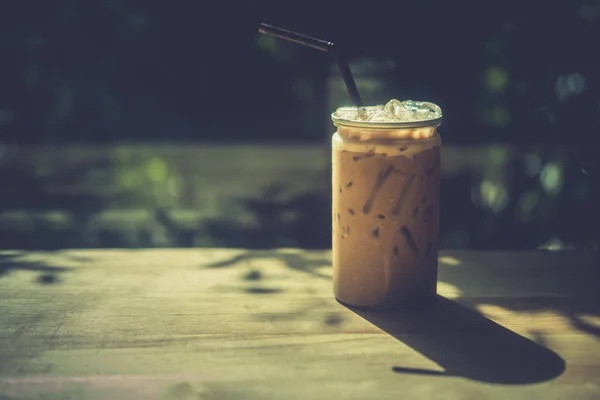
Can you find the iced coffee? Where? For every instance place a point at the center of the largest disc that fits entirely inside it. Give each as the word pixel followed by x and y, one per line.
pixel 386 179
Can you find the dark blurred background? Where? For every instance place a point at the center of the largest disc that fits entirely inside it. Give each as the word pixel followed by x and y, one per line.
pixel 154 123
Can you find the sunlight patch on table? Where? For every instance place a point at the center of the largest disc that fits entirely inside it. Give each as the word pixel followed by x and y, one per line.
pixel 591 321
pixel 546 321
pixel 325 270
pixel 448 291
pixel 447 260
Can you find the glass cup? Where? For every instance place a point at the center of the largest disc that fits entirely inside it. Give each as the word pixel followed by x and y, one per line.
pixel 386 183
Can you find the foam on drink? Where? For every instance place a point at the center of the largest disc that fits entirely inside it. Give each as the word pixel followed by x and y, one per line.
pixel 393 111
pixel 372 118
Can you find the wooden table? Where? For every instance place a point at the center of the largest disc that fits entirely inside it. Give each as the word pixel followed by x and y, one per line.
pixel 220 324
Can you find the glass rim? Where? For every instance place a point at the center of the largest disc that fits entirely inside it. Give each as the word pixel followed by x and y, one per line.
pixel 337 121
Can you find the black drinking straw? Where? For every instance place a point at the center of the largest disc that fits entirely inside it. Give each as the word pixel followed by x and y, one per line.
pixel 322 45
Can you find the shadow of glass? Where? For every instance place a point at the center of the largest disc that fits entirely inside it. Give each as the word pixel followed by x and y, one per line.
pixel 466 344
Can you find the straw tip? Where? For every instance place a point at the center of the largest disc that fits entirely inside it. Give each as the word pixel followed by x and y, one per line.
pixel 262 27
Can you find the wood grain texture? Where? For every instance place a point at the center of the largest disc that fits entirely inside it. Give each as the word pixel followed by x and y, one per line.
pixel 212 324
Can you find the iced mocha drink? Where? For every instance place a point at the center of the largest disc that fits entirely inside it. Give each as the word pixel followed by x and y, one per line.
pixel 386 179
